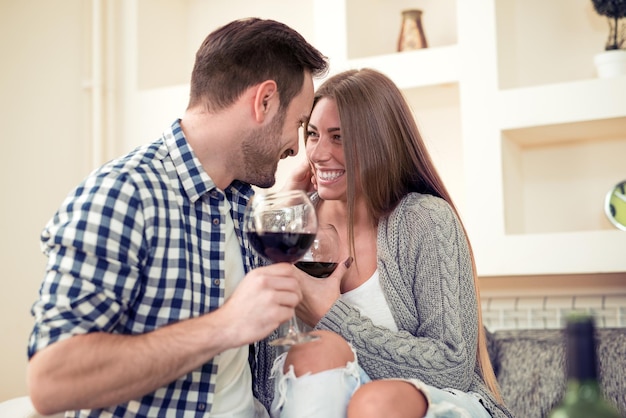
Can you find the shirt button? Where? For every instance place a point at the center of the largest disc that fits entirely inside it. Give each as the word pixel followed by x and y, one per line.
pixel 216 221
pixel 201 407
pixel 216 282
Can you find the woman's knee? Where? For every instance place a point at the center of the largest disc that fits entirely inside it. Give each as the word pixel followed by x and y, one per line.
pixel 328 352
pixel 387 398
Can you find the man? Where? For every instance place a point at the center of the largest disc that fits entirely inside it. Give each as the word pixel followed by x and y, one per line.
pixel 150 301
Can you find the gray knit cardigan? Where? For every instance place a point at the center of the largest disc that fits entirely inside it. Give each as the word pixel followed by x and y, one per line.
pixel 426 274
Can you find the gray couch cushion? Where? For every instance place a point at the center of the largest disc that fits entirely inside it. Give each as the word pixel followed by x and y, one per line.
pixel 530 366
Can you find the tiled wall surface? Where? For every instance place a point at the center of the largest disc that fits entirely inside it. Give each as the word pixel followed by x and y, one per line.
pixel 538 312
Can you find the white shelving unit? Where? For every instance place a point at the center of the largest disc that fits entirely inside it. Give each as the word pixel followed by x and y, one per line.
pixel 526 137
pixel 536 143
pixel 542 152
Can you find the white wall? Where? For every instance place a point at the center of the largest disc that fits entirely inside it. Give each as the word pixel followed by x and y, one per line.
pixel 43 153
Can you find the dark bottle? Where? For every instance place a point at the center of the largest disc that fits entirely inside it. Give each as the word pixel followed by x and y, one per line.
pixel 583 396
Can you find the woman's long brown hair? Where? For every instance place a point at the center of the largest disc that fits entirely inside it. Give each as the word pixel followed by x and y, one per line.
pixel 371 107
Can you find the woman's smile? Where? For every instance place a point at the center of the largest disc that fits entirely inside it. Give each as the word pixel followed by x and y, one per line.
pixel 326 176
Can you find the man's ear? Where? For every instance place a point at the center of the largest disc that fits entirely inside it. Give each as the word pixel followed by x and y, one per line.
pixel 266 100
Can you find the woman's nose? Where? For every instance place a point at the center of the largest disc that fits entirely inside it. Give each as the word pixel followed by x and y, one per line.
pixel 320 151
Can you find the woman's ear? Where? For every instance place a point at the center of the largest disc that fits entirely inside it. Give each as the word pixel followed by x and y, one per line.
pixel 265 100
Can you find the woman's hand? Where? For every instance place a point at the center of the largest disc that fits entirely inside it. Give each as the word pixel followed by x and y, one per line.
pixel 319 295
pixel 301 179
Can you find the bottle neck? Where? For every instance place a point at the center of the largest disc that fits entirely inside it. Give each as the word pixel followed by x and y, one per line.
pixel 581 353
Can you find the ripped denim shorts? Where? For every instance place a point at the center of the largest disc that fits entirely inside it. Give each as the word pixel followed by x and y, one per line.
pixel 327 394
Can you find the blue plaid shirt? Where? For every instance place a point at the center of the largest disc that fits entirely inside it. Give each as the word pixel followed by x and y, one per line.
pixel 139 245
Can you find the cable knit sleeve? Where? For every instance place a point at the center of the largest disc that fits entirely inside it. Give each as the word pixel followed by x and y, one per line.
pixel 426 274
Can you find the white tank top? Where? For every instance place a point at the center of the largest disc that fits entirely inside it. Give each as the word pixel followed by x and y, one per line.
pixel 370 300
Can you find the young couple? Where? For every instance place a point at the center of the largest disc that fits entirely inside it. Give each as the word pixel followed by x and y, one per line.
pixel 152 296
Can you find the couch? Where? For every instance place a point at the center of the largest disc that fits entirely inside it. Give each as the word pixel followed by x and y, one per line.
pixel 530 367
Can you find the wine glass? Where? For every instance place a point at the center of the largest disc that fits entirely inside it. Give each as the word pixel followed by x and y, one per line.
pixel 281 226
pixel 322 257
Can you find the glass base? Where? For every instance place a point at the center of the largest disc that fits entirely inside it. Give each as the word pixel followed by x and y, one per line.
pixel 293 338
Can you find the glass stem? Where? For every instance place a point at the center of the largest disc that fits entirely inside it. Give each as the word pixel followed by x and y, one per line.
pixel 293 330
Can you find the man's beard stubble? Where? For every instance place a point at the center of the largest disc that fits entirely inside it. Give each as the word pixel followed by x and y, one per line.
pixel 261 155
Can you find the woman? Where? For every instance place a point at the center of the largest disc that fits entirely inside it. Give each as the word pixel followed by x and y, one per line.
pixel 408 305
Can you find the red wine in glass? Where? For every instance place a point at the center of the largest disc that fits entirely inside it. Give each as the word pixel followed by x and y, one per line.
pixel 317 269
pixel 280 247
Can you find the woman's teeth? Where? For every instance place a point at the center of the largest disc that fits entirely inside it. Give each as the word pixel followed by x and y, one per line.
pixel 329 175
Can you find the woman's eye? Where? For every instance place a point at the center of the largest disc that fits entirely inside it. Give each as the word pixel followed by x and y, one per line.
pixel 311 134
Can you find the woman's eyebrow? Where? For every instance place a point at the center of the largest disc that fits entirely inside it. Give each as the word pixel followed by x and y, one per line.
pixel 328 130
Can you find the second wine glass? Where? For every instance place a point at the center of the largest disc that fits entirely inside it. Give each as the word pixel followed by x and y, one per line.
pixel 322 257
